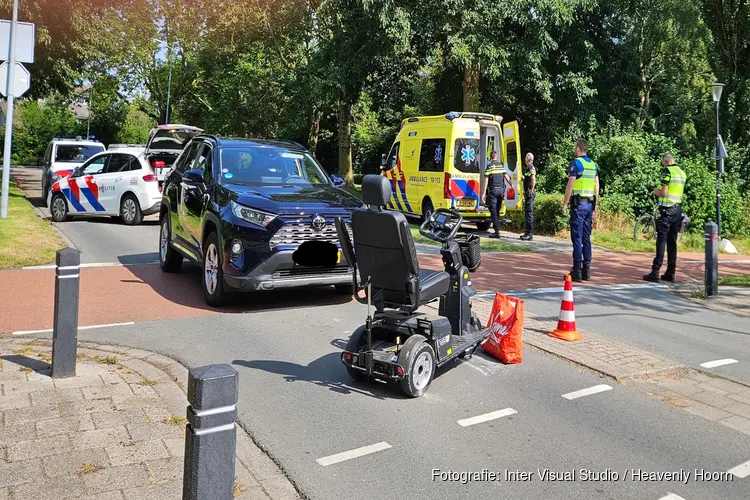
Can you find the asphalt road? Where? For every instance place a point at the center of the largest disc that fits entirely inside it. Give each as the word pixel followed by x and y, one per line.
pixel 653 319
pixel 298 402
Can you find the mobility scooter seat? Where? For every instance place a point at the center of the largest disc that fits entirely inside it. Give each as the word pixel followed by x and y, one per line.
pixel 386 253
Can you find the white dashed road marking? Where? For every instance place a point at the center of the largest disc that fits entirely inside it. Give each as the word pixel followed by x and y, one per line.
pixel 89 327
pixel 348 455
pixel 486 417
pixel 741 471
pixel 718 362
pixel 587 392
pixel 672 496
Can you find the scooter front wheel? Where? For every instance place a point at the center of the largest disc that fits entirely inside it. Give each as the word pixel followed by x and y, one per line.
pixel 417 359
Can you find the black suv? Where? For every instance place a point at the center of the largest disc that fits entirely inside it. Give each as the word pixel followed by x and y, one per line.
pixel 240 208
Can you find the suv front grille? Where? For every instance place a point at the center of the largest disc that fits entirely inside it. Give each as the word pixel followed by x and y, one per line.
pixel 296 233
pixel 310 273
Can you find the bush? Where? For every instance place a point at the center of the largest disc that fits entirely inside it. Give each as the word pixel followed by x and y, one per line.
pixel 616 204
pixel 548 218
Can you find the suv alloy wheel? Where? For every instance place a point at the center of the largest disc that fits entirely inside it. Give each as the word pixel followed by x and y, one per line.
pixel 213 277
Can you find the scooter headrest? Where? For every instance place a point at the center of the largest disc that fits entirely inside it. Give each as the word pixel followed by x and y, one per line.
pixel 376 190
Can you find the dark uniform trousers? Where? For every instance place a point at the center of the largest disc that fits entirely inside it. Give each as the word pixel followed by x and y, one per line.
pixel 528 208
pixel 581 211
pixel 495 197
pixel 667 229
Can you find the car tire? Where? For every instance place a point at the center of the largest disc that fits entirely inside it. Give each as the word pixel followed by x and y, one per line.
pixel 130 210
pixel 417 359
pixel 212 274
pixel 170 259
pixel 59 208
pixel 427 209
pixel 484 225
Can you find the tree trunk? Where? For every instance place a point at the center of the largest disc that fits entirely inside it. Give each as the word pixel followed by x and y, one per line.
pixel 345 142
pixel 314 132
pixel 470 86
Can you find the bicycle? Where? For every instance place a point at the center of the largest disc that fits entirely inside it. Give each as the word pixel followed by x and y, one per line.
pixel 645 226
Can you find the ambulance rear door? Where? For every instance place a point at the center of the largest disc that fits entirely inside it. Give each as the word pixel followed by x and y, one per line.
pixel 512 161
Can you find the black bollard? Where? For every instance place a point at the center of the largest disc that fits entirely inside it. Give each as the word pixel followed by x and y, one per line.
pixel 712 259
pixel 65 328
pixel 211 434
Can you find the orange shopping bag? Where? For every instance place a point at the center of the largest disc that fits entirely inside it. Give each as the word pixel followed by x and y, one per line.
pixel 506 323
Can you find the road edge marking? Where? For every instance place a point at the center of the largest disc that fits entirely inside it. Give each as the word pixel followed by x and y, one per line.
pixel 719 362
pixel 466 422
pixel 355 453
pixel 88 327
pixel 587 392
pixel 741 471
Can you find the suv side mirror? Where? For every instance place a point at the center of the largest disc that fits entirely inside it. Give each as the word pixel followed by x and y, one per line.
pixel 76 172
pixel 193 177
pixel 337 181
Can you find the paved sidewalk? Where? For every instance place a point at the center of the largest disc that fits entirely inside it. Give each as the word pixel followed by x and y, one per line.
pixel 115 431
pixel 731 299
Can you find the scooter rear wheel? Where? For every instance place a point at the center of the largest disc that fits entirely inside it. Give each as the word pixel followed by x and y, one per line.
pixel 356 342
pixel 417 359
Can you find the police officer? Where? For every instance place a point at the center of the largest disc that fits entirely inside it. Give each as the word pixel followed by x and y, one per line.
pixel 529 187
pixel 582 192
pixel 669 197
pixel 496 178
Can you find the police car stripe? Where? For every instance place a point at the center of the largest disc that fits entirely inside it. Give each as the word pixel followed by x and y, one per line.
pixel 72 200
pixel 92 199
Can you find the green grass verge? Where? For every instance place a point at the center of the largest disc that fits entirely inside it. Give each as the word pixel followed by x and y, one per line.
pixel 738 280
pixel 25 239
pixel 622 241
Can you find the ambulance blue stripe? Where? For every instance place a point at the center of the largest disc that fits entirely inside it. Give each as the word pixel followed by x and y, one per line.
pixel 75 203
pixel 402 188
pixel 394 198
pixel 92 199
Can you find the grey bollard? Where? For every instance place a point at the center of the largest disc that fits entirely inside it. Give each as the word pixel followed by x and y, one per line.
pixel 211 434
pixel 712 259
pixel 65 327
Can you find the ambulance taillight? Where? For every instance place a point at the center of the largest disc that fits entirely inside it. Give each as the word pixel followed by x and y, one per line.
pixel 447 187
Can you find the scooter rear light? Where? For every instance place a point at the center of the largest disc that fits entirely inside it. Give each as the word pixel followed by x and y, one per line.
pixel 150 178
pixel 347 356
pixel 447 187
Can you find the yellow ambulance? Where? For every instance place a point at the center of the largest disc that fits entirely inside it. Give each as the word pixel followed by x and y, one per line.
pixel 439 162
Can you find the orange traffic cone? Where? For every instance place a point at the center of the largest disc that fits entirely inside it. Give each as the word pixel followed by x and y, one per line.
pixel 566 323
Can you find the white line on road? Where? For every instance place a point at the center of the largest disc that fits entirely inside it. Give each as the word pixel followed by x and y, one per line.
pixel 89 327
pixel 741 471
pixel 486 417
pixel 719 362
pixel 587 392
pixel 672 496
pixel 92 264
pixel 348 455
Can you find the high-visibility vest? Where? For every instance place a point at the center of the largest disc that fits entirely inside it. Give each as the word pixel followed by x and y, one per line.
pixel 495 169
pixel 675 188
pixel 585 185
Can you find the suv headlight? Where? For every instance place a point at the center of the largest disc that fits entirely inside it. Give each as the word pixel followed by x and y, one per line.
pixel 252 216
pixel 55 177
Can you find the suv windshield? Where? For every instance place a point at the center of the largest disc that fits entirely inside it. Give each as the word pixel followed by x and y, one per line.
pixel 265 165
pixel 171 139
pixel 69 153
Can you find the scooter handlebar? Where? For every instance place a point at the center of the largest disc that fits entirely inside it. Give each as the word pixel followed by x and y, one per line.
pixel 429 230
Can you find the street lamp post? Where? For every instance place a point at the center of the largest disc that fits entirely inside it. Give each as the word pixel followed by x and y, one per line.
pixel 91 106
pixel 169 78
pixel 720 153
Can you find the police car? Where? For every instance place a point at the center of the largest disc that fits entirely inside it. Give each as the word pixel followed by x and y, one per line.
pixel 118 183
pixel 63 156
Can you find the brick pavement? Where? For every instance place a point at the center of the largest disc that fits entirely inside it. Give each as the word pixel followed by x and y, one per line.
pixel 115 431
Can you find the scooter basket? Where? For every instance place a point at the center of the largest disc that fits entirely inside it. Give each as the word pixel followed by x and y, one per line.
pixel 471 253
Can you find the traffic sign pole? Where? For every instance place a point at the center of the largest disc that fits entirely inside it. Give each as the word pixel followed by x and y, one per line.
pixel 9 116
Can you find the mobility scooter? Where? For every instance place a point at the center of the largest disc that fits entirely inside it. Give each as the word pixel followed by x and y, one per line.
pixel 400 343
